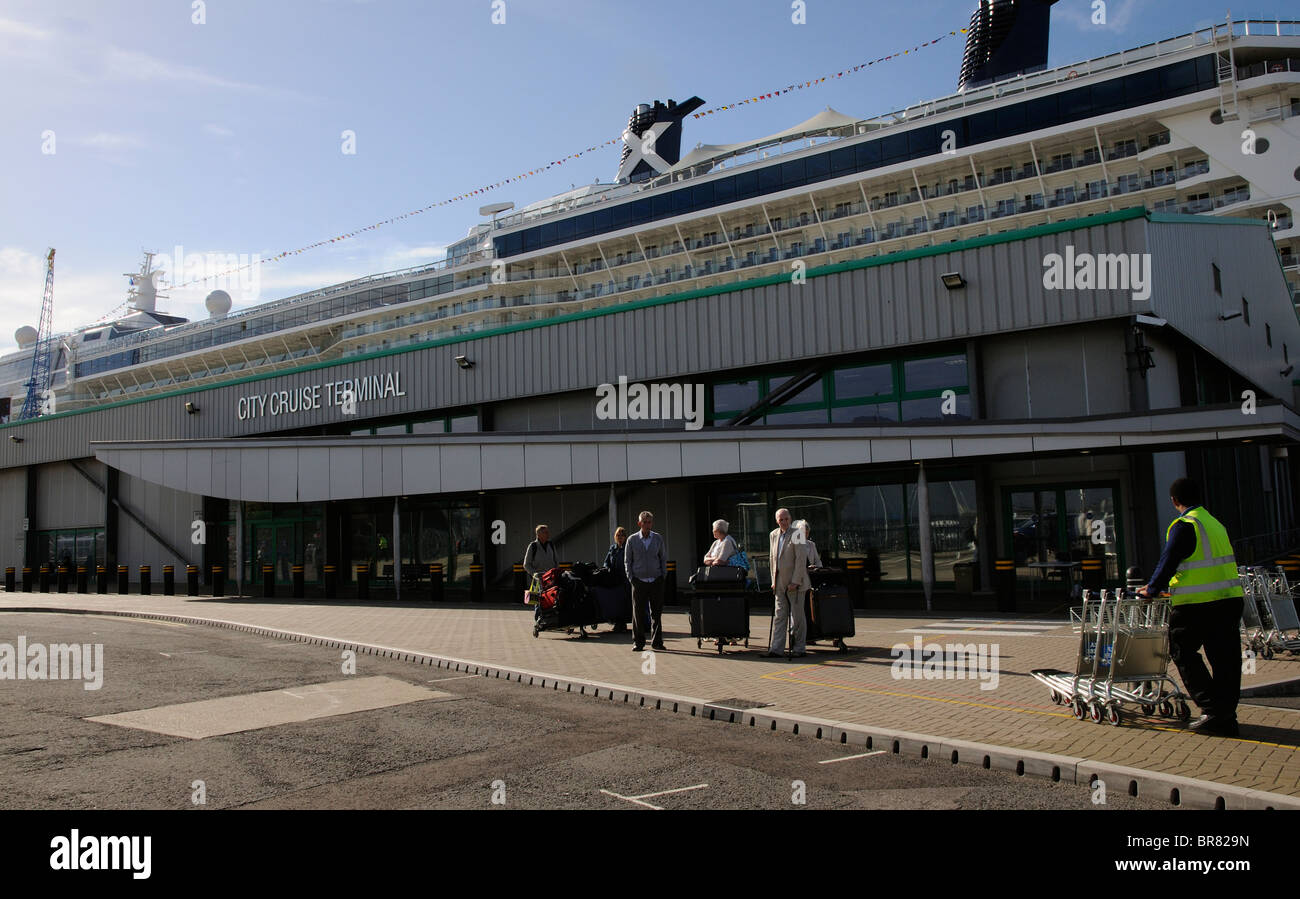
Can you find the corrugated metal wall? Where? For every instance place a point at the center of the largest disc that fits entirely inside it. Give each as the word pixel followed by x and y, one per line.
pixel 902 303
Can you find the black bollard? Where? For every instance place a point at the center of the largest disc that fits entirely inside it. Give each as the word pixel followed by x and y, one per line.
pixel 218 580
pixel 169 580
pixel 476 591
pixel 191 580
pixel 435 582
pixel 1004 581
pixel 83 579
pixel 1133 578
pixel 670 584
pixel 61 578
pixel 10 580
pixel 101 579
pixel 28 578
pixel 146 580
pixel 363 581
pixel 1092 573
pixel 521 578
pixel 299 582
pixel 123 580
pixel 45 579
pixel 268 581
pixel 855 573
pixel 331 581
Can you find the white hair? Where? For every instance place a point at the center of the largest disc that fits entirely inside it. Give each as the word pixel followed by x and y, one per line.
pixel 721 525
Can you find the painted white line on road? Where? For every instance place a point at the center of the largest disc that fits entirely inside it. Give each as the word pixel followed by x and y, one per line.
pixel 639 800
pixel 849 758
pixel 456 677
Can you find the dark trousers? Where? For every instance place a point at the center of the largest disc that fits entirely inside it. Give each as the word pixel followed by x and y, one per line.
pixel 1216 626
pixel 648 597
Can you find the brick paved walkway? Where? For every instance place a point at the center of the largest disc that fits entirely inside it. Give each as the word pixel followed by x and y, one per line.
pixel 857 688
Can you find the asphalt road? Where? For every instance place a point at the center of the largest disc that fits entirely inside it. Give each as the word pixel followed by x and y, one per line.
pixel 457 742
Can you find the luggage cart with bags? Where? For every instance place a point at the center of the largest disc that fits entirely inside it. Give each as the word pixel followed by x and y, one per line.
pixel 563 602
pixel 719 606
pixel 1122 660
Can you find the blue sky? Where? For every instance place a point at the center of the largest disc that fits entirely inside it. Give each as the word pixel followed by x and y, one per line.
pixel 225 137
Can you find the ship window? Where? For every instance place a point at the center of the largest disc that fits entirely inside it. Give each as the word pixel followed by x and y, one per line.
pixel 661 206
pixel 623 216
pixel 548 234
pixel 1076 104
pixel 1107 96
pixel 1042 113
pixel 1179 78
pixel 1142 87
pixel 640 212
pixel 602 220
pixel 769 179
pixel 702 196
pixel 1011 120
pixel 682 200
pixel 868 155
pixel 724 190
pixel 566 230
pixel 842 161
pixel 746 185
pixel 819 166
pixel 793 173
pixel 922 142
pixel 979 127
pixel 893 148
pixel 585 226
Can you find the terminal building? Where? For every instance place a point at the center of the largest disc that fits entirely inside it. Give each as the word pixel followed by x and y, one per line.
pixel 994 326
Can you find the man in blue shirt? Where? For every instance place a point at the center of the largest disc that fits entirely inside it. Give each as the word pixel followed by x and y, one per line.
pixel 646 560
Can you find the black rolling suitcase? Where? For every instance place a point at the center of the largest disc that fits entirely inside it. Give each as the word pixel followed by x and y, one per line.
pixel 829 613
pixel 721 617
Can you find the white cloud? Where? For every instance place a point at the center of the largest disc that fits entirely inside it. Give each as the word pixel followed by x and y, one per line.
pixel 107 140
pixel 217 130
pixel 22 30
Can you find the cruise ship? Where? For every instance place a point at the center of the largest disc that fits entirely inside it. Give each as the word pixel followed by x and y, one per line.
pixel 1204 123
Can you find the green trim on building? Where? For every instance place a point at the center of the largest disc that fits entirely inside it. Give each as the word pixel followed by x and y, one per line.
pixel 988 240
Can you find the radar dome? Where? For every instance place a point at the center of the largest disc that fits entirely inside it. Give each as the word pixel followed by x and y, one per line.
pixel 218 303
pixel 26 336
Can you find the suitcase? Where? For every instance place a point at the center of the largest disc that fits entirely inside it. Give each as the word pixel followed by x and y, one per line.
pixel 614 604
pixel 721 617
pixel 830 615
pixel 719 577
pixel 826 577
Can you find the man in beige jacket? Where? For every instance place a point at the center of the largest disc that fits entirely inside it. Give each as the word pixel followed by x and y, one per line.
pixel 788 561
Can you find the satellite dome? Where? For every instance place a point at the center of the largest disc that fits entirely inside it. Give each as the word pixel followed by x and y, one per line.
pixel 26 336
pixel 218 303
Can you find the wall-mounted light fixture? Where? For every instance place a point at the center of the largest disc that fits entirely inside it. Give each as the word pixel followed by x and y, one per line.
pixel 1286 371
pixel 463 362
pixel 191 409
pixel 15 438
pixel 953 280
pixel 1229 316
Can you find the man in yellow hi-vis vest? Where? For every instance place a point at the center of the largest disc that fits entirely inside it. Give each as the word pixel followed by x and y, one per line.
pixel 1206 599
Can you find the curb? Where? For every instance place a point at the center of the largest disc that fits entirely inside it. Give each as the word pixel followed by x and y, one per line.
pixel 1177 790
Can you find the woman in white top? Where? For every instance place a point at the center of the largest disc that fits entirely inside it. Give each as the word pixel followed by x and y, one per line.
pixel 724 546
pixel 814 560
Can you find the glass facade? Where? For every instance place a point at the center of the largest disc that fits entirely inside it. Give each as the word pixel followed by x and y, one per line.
pixel 1051 527
pixel 72 547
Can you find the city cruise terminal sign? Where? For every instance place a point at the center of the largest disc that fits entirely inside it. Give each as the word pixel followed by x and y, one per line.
pixel 345 395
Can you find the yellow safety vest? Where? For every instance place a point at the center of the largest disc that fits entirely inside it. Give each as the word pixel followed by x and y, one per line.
pixel 1210 572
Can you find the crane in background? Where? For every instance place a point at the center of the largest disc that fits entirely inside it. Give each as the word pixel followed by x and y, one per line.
pixel 38 385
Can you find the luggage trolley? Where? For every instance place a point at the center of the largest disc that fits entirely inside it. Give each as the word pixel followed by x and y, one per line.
pixel 1123 659
pixel 1269 621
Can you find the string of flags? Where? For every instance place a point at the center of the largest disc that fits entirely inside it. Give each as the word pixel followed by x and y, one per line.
pixel 550 165
pixel 816 81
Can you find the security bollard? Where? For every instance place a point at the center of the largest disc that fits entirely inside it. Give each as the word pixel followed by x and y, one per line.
pixel 363 581
pixel 299 582
pixel 218 580
pixel 331 581
pixel 1004 580
pixel 191 580
pixel 1133 578
pixel 45 579
pixel 268 581
pixel 61 578
pixel 855 573
pixel 670 584
pixel 521 578
pixel 28 579
pixel 123 580
pixel 10 580
pixel 83 578
pixel 1092 573
pixel 169 580
pixel 476 591
pixel 101 579
pixel 435 582
pixel 146 580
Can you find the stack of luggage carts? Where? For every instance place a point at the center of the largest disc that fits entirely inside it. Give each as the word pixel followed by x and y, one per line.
pixel 565 602
pixel 720 605
pixel 828 608
pixel 1269 622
